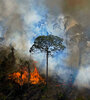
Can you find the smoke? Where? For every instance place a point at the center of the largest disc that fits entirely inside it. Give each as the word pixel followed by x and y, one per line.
pixel 22 21
pixel 83 78
pixel 77 24
pixel 13 25
pixel 78 9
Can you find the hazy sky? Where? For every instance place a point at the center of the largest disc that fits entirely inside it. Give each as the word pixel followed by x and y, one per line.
pixel 78 9
pixel 23 20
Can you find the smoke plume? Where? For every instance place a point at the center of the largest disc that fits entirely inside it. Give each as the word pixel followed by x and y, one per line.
pixel 23 20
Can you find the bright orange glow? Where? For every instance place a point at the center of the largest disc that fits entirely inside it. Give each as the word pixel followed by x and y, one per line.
pixel 35 77
pixel 22 77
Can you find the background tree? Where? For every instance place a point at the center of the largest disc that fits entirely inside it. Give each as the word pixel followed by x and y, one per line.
pixel 48 44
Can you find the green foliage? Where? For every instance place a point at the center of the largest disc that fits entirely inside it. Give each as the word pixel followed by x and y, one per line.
pixel 50 42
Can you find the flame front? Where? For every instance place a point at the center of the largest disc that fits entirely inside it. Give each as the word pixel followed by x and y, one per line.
pixel 35 77
pixel 23 77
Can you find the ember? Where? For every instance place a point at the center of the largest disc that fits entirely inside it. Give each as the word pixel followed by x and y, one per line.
pixel 21 77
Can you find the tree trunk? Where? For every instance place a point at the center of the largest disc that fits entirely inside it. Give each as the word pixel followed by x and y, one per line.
pixel 28 75
pixel 47 67
pixel 21 79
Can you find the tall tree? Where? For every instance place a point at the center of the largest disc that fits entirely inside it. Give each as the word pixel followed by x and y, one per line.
pixel 48 44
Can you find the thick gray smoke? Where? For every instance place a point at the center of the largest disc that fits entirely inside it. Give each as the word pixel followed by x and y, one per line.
pixel 17 15
pixel 77 24
pixel 12 21
pixel 78 9
pixel 83 78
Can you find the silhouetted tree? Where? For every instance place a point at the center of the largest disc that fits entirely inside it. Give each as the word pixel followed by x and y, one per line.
pixel 11 56
pixel 48 44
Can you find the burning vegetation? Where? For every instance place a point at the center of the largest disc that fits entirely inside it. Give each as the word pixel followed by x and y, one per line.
pixel 25 83
pixel 22 77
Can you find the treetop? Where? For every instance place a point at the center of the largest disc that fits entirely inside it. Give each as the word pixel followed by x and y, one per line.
pixel 51 43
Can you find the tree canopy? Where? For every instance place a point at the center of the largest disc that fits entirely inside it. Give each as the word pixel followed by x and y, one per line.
pixel 50 42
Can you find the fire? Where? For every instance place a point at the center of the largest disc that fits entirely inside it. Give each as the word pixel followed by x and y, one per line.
pixel 22 77
pixel 35 77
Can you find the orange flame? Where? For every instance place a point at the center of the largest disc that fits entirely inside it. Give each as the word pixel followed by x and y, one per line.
pixel 21 79
pixel 35 77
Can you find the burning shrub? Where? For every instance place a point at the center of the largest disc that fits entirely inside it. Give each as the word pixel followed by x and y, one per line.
pixel 21 77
